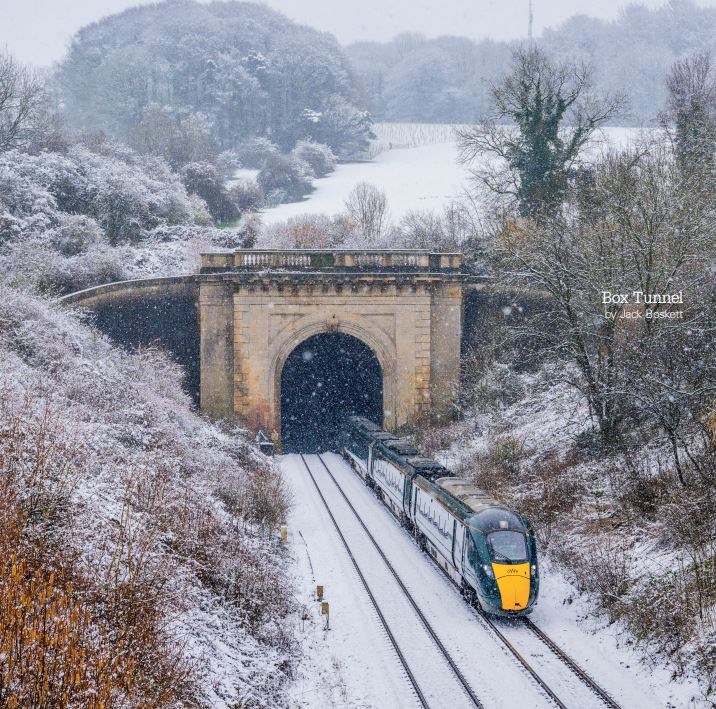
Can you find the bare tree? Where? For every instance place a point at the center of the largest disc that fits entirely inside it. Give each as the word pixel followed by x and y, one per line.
pixel 544 113
pixel 21 97
pixel 634 226
pixel 367 206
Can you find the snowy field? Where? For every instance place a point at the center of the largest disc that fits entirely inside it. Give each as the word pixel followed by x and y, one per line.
pixel 424 177
pixel 353 664
pixel 415 166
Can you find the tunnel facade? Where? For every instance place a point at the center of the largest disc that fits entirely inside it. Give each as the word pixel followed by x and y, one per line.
pixel 257 308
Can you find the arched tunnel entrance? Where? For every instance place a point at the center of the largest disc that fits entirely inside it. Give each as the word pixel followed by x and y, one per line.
pixel 327 378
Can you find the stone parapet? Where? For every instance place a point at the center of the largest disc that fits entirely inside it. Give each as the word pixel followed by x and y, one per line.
pixel 374 260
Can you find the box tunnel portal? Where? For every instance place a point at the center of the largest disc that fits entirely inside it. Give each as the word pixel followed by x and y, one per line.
pixel 240 324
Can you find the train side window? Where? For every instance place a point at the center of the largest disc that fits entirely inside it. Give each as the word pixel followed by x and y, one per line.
pixel 454 538
pixel 469 546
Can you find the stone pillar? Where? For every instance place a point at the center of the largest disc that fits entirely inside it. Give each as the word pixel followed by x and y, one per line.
pixel 445 340
pixel 216 328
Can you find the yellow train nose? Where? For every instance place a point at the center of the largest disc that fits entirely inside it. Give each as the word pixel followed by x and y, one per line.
pixel 513 580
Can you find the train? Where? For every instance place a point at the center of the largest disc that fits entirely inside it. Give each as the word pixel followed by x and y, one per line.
pixel 488 550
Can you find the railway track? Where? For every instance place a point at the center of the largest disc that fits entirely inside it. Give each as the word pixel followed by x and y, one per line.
pixel 557 651
pixel 469 692
pixel 567 660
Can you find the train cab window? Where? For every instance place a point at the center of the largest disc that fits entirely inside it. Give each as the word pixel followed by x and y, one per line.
pixel 470 549
pixel 498 518
pixel 507 547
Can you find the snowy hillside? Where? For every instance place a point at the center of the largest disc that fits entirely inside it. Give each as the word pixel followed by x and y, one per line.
pixel 162 516
pixel 414 164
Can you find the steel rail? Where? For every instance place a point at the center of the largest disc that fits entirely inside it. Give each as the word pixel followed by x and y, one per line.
pixel 374 602
pixel 491 624
pixel 567 660
pixel 426 624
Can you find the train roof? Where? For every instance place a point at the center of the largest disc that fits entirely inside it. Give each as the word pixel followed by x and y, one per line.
pixel 364 423
pixel 402 446
pixel 471 496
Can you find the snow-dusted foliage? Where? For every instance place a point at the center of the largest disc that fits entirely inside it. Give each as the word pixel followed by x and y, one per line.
pixel 164 520
pixel 284 178
pixel 102 213
pixel 253 152
pixel 247 70
pixel 318 156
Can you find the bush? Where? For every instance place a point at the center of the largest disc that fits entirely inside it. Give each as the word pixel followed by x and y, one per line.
pixel 254 152
pixel 285 175
pixel 204 180
pixel 318 156
pixel 309 231
pixel 200 211
pixel 246 195
pixel 34 263
pixel 76 234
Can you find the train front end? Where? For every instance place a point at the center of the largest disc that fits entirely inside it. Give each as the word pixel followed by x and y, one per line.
pixel 503 554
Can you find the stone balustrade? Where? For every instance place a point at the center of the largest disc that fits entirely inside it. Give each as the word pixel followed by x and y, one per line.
pixel 373 260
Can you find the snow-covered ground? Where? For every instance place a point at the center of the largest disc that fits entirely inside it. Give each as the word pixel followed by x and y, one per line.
pixel 353 663
pixel 424 175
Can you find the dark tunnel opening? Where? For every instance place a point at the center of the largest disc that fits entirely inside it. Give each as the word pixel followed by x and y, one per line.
pixel 327 378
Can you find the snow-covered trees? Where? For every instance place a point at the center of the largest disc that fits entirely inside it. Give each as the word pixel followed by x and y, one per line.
pixel 340 125
pixel 204 180
pixel 84 217
pixel 445 79
pixel 691 110
pixel 177 141
pixel 635 226
pixel 21 99
pixel 248 72
pixel 367 207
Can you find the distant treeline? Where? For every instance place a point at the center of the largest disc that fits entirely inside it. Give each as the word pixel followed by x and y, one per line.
pixel 214 74
pixel 412 78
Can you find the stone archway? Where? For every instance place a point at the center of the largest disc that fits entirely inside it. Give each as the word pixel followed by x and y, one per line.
pixel 257 311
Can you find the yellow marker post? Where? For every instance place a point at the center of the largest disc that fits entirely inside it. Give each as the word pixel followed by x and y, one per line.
pixel 319 593
pixel 325 611
pixel 284 533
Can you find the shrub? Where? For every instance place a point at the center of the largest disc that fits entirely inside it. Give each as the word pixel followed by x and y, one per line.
pixel 203 179
pixel 76 234
pixel 247 195
pixel 285 175
pixel 200 211
pixel 228 161
pixel 318 156
pixel 254 152
pixel 34 263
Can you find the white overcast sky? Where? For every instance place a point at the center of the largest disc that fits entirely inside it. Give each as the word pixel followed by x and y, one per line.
pixel 38 31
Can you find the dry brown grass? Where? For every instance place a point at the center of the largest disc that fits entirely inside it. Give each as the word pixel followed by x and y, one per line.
pixel 52 652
